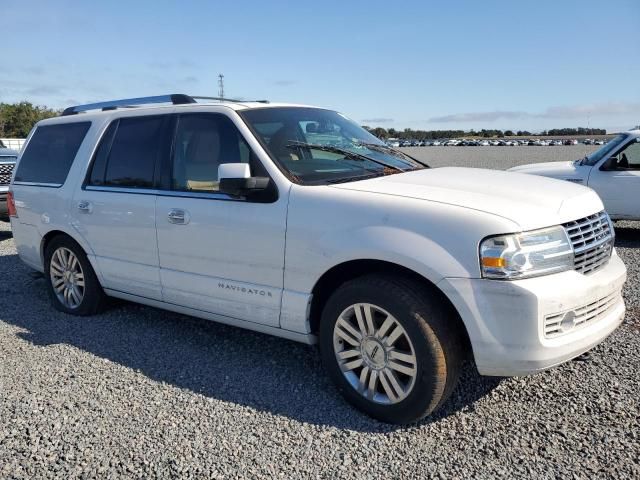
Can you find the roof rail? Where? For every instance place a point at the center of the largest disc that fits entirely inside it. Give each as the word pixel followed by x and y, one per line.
pixel 176 99
pixel 234 100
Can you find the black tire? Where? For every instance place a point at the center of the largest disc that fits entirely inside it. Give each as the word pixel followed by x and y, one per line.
pixel 431 326
pixel 94 298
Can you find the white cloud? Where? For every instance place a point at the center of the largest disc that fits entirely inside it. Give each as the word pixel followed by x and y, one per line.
pixel 555 112
pixel 377 120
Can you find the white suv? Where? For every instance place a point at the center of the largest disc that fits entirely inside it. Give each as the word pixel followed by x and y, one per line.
pixel 296 222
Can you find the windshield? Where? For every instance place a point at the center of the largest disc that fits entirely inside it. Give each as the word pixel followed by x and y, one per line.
pixel 602 152
pixel 316 146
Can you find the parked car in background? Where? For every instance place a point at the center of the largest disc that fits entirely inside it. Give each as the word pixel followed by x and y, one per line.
pixel 613 171
pixel 8 159
pixel 400 272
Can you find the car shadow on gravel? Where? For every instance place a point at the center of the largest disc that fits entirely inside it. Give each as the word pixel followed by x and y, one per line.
pixel 628 237
pixel 5 235
pixel 217 361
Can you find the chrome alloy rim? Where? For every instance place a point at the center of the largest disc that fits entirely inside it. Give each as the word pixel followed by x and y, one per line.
pixel 375 353
pixel 67 277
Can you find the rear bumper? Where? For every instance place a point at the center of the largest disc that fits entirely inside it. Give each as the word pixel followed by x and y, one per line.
pixel 506 320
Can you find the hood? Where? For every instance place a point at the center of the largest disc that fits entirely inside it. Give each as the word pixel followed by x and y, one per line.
pixel 569 171
pixel 528 200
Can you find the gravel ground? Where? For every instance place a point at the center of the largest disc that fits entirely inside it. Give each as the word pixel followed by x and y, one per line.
pixel 138 392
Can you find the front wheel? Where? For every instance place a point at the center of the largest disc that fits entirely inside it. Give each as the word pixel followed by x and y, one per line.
pixel 390 346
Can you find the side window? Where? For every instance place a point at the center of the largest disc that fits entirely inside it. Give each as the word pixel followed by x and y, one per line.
pixel 203 142
pixel 50 153
pixel 100 157
pixel 129 152
pixel 629 158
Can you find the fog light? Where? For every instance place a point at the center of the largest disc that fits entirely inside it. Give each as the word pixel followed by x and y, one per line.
pixel 568 321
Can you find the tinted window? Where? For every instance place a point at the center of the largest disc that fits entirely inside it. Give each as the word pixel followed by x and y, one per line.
pixel 134 152
pixel 203 142
pixel 100 157
pixel 50 153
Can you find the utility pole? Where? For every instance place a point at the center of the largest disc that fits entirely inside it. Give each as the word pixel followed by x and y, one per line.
pixel 221 86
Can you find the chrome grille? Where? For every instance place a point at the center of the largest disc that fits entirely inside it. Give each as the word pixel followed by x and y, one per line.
pixel 565 322
pixel 6 169
pixel 592 238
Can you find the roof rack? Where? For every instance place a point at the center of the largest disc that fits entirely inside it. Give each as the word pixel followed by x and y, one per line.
pixel 234 100
pixel 175 99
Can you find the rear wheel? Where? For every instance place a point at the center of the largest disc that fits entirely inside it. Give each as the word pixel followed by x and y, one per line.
pixel 390 346
pixel 72 284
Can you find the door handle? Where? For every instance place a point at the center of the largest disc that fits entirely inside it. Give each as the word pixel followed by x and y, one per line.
pixel 178 216
pixel 85 206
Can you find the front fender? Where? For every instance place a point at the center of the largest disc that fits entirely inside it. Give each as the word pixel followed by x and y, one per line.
pixel 395 245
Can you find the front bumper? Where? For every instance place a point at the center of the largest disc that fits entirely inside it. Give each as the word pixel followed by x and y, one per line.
pixel 506 319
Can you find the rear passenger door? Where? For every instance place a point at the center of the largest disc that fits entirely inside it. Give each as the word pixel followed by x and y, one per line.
pixel 219 254
pixel 115 209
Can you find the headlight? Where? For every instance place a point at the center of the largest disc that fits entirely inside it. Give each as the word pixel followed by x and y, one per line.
pixel 528 254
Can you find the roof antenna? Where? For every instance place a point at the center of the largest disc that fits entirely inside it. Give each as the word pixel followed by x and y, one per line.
pixel 221 86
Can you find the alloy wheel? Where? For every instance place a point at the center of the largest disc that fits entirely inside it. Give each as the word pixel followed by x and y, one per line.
pixel 67 277
pixel 375 353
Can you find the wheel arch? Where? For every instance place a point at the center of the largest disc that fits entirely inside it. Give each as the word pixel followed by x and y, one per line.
pixel 51 234
pixel 339 274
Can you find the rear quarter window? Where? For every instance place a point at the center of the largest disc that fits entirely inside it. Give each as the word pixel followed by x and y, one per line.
pixel 50 153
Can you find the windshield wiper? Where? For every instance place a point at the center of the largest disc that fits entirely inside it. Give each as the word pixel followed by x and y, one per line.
pixel 386 148
pixel 354 178
pixel 343 151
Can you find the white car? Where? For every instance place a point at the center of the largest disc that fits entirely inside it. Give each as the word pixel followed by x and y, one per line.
pixel 613 171
pixel 296 222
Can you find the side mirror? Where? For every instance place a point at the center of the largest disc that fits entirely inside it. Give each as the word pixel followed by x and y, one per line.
pixel 236 180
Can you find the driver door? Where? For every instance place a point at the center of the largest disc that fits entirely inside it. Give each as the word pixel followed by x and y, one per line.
pixel 617 181
pixel 218 254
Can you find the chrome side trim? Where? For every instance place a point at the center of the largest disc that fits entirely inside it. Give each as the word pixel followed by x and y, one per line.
pixel 163 193
pixel 37 184
pixel 143 191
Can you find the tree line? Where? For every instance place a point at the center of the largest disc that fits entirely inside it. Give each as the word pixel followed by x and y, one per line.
pixel 17 119
pixel 574 131
pixel 410 134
